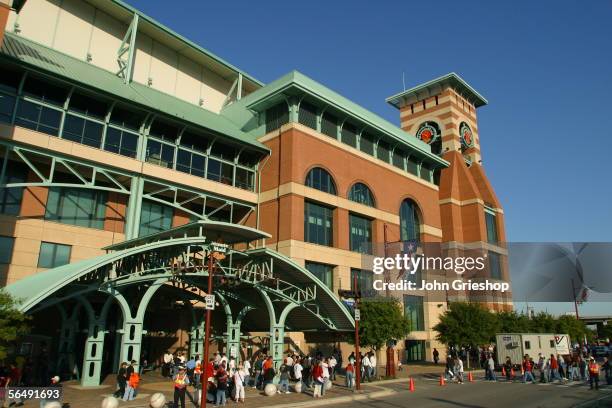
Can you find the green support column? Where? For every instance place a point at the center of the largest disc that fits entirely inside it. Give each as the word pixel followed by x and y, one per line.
pixel 196 339
pixel 277 342
pixel 233 339
pixel 92 355
pixel 132 218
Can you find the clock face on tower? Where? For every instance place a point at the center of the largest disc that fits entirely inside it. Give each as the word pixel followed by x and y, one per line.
pixel 427 133
pixel 467 138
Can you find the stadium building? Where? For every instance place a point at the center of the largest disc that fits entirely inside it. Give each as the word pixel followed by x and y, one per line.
pixel 128 152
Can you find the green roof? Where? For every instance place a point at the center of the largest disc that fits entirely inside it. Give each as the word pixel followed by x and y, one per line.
pixel 435 86
pixel 296 83
pixel 49 61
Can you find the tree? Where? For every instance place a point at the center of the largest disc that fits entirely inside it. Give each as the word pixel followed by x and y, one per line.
pixel 467 324
pixel 13 323
pixel 543 323
pixel 576 329
pixel 513 322
pixel 381 322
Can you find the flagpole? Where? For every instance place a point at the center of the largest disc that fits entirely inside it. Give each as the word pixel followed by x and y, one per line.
pixel 575 301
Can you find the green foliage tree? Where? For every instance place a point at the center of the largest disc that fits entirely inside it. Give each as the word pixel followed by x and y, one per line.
pixel 543 323
pixel 13 323
pixel 381 322
pixel 575 328
pixel 466 324
pixel 513 322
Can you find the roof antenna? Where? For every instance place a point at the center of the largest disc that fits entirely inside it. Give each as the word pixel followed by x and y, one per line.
pixel 404 80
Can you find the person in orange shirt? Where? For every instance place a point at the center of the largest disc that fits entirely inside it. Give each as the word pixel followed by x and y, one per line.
pixel 132 385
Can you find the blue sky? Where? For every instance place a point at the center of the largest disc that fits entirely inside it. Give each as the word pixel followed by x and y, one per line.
pixel 544 66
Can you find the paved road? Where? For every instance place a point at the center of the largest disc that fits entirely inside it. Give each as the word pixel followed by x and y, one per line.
pixel 482 394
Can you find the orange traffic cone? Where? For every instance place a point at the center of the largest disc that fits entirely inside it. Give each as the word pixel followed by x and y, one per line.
pixel 411 386
pixel 470 378
pixel 503 371
pixel 442 380
pixel 512 373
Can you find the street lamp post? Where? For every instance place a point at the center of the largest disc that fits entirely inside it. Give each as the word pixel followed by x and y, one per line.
pixel 357 355
pixel 211 266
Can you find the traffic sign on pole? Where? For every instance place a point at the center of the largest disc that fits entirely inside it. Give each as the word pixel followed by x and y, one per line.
pixel 357 315
pixel 210 302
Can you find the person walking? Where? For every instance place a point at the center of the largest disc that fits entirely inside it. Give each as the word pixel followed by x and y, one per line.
pixel 593 373
pixel 332 367
pixel 607 367
pixel 297 370
pixel 258 372
pixel 459 370
pixel 317 375
pixel 373 364
pixel 448 372
pixel 350 375
pixel 508 368
pixel 132 385
pixel 284 379
pixel 181 381
pixel 436 355
pixel 365 368
pixel 528 370
pixel 121 380
pixel 246 370
pixel 168 359
pixel 490 367
pixel 239 383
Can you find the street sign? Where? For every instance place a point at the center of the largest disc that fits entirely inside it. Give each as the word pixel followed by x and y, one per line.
pixel 219 247
pixel 210 302
pixel 357 315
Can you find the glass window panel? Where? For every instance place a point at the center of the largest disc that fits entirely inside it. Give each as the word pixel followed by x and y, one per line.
pixel 77 206
pixel 195 141
pixel 227 173
pixel 494 265
pixel 491 228
pixel 383 151
pixel 10 198
pixel 360 193
pixel 308 115
pixel 366 144
pixel 277 116
pixel 37 117
pixel 6 249
pixel 224 152
pixel 164 130
pixel 321 180
pixel 426 172
pixel 121 142
pixel 155 218
pixel 249 159
pixel 7 104
pixel 413 166
pixel 410 223
pixel 365 281
pixel 323 272
pixel 398 158
pixel 349 135
pixel 245 178
pixel 214 170
pixel 160 153
pixel 318 221
pixel 329 125
pixel 360 234
pixel 53 255
pixel 413 311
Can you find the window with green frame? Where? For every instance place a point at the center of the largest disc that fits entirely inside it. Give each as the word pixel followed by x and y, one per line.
pixel 398 158
pixel 323 272
pixel 360 193
pixel 76 206
pixel 360 234
pixel 53 255
pixel 321 180
pixel 413 311
pixel 412 166
pixel 426 172
pixel 9 84
pixel 349 134
pixel 6 249
pixel 366 143
pixel 318 221
pixel 491 222
pixel 84 122
pixel 10 198
pixel 40 107
pixel 154 218
pixel 383 150
pixel 329 125
pixel 123 131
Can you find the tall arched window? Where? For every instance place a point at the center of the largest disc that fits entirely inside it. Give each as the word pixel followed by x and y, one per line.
pixel 360 193
pixel 321 180
pixel 410 222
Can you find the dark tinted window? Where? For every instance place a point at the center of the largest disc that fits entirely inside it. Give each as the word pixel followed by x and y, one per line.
pixel 164 130
pixel 44 91
pixel 9 80
pixel 127 118
pixel 88 106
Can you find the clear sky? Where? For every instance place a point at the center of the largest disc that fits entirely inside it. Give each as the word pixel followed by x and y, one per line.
pixel 544 66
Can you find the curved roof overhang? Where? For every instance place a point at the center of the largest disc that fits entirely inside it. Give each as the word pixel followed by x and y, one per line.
pixel 319 308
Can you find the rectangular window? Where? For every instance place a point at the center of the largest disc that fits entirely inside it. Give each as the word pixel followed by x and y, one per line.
pixel 383 151
pixel 329 125
pixel 44 91
pixel 7 104
pixel 349 135
pixel 220 171
pixel 494 265
pixel 164 131
pixel 366 144
pixel 398 158
pixel 88 106
pixel 80 130
pixel 9 80
pixel 415 350
pixel 322 271
pixel 245 179
pixel 194 141
pixel 277 116
pixel 527 345
pixel 127 118
pixel 413 166
pixel 365 281
pixel 6 249
pixel 308 115
pixel 160 153
pixel 318 221
pixel 77 206
pixel 53 255
pixel 360 234
pixel 121 142
pixel 491 227
pixel 426 172
pixel 191 163
pixel 413 311
pixel 10 198
pixel 155 218
pixel 37 117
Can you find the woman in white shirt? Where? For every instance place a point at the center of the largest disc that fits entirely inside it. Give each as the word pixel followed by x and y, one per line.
pixel 239 383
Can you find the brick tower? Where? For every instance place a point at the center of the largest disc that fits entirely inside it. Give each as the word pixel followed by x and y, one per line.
pixel 442 113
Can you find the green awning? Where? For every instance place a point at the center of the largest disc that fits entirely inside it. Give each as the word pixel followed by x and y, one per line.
pixel 49 61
